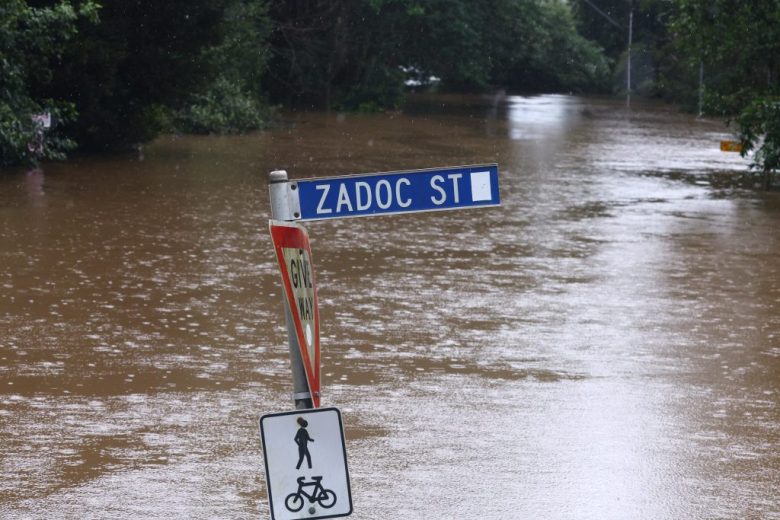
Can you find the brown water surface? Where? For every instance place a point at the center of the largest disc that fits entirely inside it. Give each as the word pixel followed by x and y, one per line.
pixel 604 345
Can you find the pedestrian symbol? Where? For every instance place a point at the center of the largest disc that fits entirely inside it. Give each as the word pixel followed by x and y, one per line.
pixel 306 464
pixel 302 439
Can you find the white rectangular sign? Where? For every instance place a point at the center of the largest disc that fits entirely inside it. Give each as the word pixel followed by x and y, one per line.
pixel 306 464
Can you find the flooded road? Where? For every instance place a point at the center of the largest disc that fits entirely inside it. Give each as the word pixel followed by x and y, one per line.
pixel 604 345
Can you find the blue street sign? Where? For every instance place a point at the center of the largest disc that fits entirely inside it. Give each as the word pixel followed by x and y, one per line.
pixel 397 192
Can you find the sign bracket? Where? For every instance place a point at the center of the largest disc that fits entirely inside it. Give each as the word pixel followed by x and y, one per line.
pixel 285 204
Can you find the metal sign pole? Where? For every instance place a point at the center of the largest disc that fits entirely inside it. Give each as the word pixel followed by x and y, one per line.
pixel 280 210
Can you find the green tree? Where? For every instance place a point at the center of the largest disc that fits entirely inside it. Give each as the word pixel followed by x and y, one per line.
pixel 342 53
pixel 31 40
pixel 528 45
pixel 451 41
pixel 553 57
pixel 737 45
pixel 358 53
pixel 234 100
pixel 759 130
pixel 124 73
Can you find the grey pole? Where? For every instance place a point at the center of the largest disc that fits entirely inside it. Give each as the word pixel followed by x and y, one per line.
pixel 630 37
pixel 701 88
pixel 278 186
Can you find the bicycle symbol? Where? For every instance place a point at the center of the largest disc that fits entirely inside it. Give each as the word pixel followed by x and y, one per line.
pixel 325 497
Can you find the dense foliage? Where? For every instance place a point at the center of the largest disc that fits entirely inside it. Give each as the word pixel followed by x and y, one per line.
pixel 123 72
pixel 357 53
pixel 117 73
pixel 233 100
pixel 114 73
pixel 759 127
pixel 737 46
pixel 31 41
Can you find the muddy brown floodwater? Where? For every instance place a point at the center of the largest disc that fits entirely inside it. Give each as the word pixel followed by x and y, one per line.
pixel 605 345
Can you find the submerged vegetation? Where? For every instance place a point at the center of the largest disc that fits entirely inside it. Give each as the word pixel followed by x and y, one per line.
pixel 115 73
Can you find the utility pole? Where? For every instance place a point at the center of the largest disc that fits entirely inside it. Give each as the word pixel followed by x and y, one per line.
pixel 628 66
pixel 701 88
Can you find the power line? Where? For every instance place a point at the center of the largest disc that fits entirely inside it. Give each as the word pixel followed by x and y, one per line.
pixel 605 15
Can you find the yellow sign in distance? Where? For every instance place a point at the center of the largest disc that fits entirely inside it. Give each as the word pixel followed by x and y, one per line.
pixel 730 146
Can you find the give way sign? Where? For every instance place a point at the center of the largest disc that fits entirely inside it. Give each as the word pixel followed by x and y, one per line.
pixel 293 252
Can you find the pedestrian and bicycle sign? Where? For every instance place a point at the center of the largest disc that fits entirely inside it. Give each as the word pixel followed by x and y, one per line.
pixel 306 464
pixel 293 253
pixel 394 192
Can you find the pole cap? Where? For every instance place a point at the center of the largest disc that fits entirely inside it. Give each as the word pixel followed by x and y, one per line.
pixel 277 176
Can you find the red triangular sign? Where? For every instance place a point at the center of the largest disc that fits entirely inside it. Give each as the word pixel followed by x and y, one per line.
pixel 293 252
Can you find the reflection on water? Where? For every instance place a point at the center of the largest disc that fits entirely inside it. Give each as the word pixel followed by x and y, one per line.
pixel 540 117
pixel 606 344
pixel 34 184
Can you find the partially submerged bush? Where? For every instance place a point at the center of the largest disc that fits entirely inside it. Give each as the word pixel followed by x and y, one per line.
pixel 223 109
